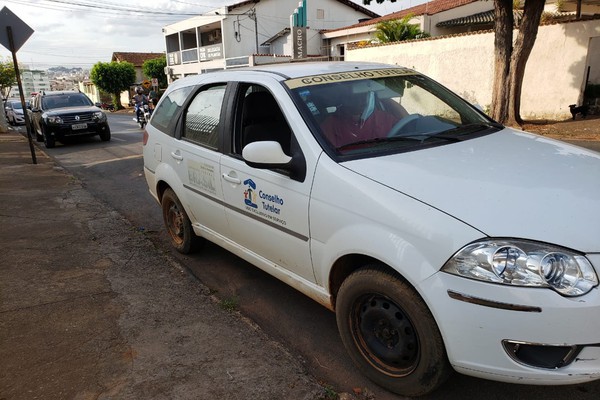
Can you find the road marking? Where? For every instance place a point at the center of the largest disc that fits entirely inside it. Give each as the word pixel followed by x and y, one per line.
pixel 112 160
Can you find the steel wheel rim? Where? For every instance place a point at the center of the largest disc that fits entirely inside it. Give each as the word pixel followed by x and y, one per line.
pixel 175 222
pixel 384 335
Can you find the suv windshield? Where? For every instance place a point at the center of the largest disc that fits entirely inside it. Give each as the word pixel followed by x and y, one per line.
pixel 65 100
pixel 382 111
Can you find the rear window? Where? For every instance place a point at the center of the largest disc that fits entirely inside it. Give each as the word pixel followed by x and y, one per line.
pixel 168 108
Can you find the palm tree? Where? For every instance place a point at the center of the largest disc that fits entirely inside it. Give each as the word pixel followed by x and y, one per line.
pixel 398 30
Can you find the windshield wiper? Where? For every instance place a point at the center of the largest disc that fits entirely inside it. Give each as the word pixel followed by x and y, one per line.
pixel 470 128
pixel 379 141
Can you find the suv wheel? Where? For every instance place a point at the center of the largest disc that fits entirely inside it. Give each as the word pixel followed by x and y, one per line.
pixel 49 140
pixel 105 134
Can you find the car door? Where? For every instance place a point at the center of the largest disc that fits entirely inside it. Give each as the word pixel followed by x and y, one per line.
pixel 198 156
pixel 266 209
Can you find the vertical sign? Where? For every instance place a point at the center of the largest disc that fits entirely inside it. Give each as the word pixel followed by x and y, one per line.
pixel 298 26
pixel 13 34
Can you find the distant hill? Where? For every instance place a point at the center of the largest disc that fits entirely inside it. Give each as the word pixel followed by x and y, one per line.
pixel 65 71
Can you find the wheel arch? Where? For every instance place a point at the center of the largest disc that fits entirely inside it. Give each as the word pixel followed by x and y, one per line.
pixel 351 263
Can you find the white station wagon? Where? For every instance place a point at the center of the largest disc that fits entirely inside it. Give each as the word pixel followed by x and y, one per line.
pixel 441 239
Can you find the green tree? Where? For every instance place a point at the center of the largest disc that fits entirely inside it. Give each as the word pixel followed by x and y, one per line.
pixel 155 68
pixel 398 30
pixel 113 78
pixel 8 78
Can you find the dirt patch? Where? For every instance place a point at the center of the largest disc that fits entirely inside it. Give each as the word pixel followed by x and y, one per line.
pixel 578 129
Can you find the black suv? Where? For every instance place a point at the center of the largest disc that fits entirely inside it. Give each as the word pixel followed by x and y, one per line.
pixel 57 115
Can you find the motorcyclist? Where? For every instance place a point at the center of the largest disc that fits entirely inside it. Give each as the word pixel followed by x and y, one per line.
pixel 139 99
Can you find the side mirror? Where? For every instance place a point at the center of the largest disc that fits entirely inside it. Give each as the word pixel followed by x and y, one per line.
pixel 267 154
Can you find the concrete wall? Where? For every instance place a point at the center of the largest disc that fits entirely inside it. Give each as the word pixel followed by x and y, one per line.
pixel 554 77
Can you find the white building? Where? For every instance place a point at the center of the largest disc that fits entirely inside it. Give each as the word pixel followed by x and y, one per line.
pixel 33 81
pixel 250 33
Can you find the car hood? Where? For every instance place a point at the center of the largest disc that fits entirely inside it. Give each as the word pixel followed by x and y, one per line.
pixel 507 184
pixel 72 110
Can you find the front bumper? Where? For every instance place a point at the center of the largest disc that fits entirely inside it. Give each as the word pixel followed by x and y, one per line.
pixel 68 130
pixel 516 334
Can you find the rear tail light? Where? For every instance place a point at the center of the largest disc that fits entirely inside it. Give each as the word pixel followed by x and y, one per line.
pixel 145 137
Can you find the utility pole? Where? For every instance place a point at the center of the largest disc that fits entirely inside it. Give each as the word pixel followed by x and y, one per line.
pixel 252 16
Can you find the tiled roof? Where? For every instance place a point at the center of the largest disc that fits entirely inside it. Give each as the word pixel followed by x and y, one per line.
pixel 430 8
pixel 482 18
pixel 137 59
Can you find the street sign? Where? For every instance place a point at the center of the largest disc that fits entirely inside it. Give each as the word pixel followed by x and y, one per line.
pixel 13 34
pixel 20 30
pixel 146 84
pixel 155 82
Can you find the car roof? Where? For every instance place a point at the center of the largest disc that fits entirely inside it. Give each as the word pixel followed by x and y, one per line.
pixel 293 70
pixel 300 69
pixel 57 92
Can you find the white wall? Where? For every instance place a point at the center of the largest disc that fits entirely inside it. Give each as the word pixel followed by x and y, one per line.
pixel 554 77
pixel 594 60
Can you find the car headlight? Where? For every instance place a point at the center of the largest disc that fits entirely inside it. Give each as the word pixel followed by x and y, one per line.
pixel 524 263
pixel 55 119
pixel 99 116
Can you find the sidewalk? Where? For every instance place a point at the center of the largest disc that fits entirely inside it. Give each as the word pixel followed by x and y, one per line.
pixel 89 309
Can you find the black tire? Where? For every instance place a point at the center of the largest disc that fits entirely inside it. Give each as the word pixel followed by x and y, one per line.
pixel 105 134
pixel 49 140
pixel 38 137
pixel 390 333
pixel 178 224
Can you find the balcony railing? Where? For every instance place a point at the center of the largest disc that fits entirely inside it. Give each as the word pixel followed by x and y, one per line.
pixel 204 53
pixel 190 55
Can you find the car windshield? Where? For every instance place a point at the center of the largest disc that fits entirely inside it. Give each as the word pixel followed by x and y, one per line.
pixel 16 105
pixel 65 100
pixel 364 113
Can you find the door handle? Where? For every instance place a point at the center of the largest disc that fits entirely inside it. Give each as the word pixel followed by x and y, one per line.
pixel 176 155
pixel 231 179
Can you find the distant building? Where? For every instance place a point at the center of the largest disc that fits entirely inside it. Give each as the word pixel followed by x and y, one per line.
pixel 254 32
pixel 33 81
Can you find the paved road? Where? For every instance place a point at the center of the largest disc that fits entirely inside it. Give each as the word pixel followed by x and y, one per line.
pixel 113 172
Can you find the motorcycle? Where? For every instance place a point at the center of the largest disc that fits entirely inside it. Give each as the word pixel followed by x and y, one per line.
pixel 107 106
pixel 143 115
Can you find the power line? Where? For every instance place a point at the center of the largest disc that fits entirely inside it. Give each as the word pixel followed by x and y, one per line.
pixel 64 5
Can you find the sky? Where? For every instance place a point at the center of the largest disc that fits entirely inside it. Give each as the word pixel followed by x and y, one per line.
pixel 80 33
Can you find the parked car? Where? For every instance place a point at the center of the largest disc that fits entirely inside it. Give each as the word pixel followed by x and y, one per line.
pixel 56 115
pixel 441 239
pixel 14 112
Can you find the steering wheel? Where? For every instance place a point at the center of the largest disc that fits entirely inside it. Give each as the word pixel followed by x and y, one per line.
pixel 398 126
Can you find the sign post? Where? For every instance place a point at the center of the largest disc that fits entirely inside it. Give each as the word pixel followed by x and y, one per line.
pixel 13 34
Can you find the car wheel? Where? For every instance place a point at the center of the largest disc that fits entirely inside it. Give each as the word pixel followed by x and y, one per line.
pixel 49 140
pixel 178 224
pixel 390 333
pixel 105 134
